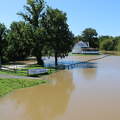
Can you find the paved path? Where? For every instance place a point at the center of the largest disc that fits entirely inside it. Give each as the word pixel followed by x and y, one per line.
pixel 16 77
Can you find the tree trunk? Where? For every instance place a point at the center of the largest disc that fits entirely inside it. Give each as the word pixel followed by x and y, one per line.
pixel 56 60
pixel 39 60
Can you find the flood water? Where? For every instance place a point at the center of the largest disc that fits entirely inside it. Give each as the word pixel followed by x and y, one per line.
pixel 85 93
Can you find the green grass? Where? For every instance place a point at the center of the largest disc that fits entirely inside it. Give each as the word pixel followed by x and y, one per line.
pixel 18 73
pixel 8 85
pixel 117 53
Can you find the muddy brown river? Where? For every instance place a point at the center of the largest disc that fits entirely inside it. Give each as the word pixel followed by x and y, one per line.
pixel 88 92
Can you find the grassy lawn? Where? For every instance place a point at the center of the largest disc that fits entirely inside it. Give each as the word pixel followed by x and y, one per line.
pixel 8 85
pixel 117 53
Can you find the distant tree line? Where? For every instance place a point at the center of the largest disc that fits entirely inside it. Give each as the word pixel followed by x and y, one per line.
pixel 44 32
pixel 107 43
pixel 110 43
pixel 89 35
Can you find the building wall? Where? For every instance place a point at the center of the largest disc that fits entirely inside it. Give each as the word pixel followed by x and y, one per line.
pixel 78 47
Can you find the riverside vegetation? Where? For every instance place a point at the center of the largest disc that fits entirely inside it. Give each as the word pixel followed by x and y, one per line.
pixel 33 36
pixel 8 85
pixel 43 31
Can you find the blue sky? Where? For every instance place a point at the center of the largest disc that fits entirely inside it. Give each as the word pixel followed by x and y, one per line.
pixel 103 15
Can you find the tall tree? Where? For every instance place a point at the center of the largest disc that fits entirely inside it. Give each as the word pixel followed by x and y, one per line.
pixel 2 38
pixel 59 37
pixel 90 35
pixel 34 11
pixel 78 38
pixel 19 41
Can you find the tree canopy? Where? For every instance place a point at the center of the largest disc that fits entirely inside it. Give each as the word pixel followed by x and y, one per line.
pixel 90 35
pixel 59 38
pixel 2 39
pixel 45 31
pixel 19 41
pixel 34 12
pixel 109 43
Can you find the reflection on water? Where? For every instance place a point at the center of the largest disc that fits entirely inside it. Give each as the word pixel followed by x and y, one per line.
pixel 86 70
pixel 41 102
pixel 89 74
pixel 84 93
pixel 85 65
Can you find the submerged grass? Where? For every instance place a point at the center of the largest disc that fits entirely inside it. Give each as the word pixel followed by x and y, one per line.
pixel 24 71
pixel 8 85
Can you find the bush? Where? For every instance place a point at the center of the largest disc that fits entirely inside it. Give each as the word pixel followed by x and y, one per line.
pixel 107 45
pixel 118 46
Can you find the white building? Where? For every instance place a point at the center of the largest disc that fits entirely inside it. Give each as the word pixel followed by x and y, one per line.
pixel 78 48
pixel 84 48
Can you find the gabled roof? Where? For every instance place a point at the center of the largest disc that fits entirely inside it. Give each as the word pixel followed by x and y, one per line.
pixel 82 44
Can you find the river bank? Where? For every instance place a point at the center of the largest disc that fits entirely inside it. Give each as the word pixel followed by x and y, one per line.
pixel 116 53
pixel 87 93
pixel 7 85
pixel 20 79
